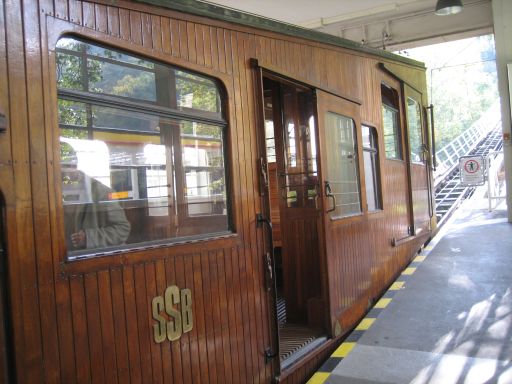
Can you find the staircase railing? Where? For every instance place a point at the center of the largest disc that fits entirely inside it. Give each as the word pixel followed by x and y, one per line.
pixel 448 156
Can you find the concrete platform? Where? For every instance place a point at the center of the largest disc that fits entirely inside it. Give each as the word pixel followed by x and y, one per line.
pixel 451 320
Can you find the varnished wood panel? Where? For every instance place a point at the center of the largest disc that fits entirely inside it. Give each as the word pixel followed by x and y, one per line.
pixel 75 324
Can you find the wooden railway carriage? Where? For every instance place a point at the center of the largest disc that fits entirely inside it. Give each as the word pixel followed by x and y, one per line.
pixel 190 194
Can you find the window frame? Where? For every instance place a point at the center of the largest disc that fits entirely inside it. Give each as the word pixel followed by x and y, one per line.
pixel 391 100
pixel 420 129
pixel 374 151
pixel 131 105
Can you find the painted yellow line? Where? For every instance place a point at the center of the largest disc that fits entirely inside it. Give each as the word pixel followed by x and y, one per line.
pixel 397 285
pixel 409 271
pixel 318 378
pixel 428 248
pixel 343 350
pixel 365 324
pixel 420 258
pixel 382 303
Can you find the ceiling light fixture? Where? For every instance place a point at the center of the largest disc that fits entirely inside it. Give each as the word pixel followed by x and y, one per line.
pixel 448 7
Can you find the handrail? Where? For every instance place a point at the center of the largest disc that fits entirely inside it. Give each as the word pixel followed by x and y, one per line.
pixel 448 157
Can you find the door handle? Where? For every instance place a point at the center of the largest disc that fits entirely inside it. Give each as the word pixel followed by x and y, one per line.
pixel 328 193
pixel 269 256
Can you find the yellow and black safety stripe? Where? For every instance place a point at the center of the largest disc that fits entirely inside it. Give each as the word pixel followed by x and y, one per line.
pixel 350 341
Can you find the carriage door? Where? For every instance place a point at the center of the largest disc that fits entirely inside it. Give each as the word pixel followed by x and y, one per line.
pixel 342 191
pixel 418 156
pixel 291 156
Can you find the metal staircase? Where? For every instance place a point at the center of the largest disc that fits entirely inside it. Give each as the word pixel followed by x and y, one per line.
pixel 481 138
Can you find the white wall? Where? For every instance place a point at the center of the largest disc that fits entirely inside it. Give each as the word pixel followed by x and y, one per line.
pixel 502 16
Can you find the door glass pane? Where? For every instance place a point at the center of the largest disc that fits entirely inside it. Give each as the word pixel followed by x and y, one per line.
pixel 414 124
pixel 391 132
pixel 299 179
pixel 342 174
pixel 371 168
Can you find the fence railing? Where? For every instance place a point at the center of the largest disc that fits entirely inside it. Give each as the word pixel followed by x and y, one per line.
pixel 448 157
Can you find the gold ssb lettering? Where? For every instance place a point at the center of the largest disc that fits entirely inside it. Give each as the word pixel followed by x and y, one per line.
pixel 172 313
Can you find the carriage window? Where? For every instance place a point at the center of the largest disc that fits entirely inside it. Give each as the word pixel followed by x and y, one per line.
pixel 414 125
pixel 343 172
pixel 391 122
pixel 371 168
pixel 142 151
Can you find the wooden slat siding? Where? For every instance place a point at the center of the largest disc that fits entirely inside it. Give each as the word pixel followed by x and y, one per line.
pixel 100 13
pixel 199 360
pixel 147 33
pixel 214 48
pixel 199 44
pixel 190 37
pixel 93 330
pixel 89 18
pixel 244 151
pixel 163 350
pixel 120 328
pixel 61 9
pixel 75 12
pixel 216 316
pixel 81 341
pixel 144 335
pixel 25 261
pixel 184 350
pixel 107 327
pixel 156 349
pixel 232 331
pixel 135 28
pixel 39 185
pixel 220 38
pixel 5 140
pixel 156 32
pixel 174 32
pixel 224 317
pixel 208 54
pixel 165 27
pixel 124 24
pixel 113 21
pixel 207 279
pixel 65 332
pixel 183 52
pixel 130 311
pixel 46 6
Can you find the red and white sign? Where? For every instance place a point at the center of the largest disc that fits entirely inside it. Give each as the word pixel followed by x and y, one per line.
pixel 472 170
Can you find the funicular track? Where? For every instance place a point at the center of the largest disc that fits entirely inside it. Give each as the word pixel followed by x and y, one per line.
pixel 448 191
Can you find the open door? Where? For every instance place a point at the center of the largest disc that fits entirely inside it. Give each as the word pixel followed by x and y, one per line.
pixel 291 191
pixel 418 160
pixel 342 189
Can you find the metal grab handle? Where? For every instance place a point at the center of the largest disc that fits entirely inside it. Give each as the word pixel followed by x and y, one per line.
pixel 328 193
pixel 269 256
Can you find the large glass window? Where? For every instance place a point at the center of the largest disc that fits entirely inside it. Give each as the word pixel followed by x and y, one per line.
pixel 142 151
pixel 343 173
pixel 391 123
pixel 415 135
pixel 371 168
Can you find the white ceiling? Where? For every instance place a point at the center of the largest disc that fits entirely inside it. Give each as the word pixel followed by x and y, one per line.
pixel 301 12
pixel 390 24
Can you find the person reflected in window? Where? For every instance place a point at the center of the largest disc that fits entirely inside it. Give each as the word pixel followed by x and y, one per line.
pixel 99 224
